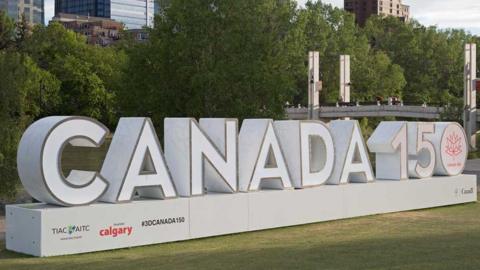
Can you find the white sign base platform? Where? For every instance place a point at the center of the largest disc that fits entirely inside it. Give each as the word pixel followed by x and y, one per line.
pixel 46 230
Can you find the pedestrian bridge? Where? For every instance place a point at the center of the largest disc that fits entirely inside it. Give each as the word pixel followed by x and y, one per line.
pixel 360 111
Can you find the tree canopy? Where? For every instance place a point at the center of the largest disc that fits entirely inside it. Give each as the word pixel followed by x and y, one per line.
pixel 213 59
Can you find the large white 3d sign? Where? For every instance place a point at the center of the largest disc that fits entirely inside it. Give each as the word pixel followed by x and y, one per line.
pixel 389 143
pixel 310 149
pixel 212 155
pixel 202 159
pixel 262 163
pixel 351 153
pixel 418 150
pixel 135 162
pixel 39 160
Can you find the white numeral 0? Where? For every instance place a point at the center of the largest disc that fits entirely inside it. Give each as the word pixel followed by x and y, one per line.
pixel 451 147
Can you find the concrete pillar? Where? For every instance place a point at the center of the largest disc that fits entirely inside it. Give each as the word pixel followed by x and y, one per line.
pixel 314 85
pixel 470 94
pixel 345 78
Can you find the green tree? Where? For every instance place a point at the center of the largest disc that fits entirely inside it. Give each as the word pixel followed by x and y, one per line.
pixel 25 88
pixel 216 58
pixel 22 30
pixel 89 75
pixel 374 75
pixel 432 59
pixel 332 32
pixel 7 31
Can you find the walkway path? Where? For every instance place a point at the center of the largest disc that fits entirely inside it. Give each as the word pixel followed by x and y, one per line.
pixel 473 167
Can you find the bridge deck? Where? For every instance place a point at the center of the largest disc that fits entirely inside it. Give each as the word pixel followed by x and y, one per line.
pixel 370 111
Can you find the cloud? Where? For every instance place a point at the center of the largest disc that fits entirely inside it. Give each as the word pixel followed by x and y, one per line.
pixel 464 14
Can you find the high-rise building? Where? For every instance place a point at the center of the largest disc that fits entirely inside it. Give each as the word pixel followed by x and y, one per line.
pixel 31 10
pixel 94 8
pixel 156 7
pixel 365 8
pixel 97 30
pixel 135 14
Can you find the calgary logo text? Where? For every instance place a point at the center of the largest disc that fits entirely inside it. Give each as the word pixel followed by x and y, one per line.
pixel 116 230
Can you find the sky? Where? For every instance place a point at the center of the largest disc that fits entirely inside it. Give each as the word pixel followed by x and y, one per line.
pixel 49 10
pixel 464 14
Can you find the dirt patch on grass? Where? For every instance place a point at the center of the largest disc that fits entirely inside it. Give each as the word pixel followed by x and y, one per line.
pixel 2 228
pixel 411 215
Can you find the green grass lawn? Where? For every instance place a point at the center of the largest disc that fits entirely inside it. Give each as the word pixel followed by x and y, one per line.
pixel 441 238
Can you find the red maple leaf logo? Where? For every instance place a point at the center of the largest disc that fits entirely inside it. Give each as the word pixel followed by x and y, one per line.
pixel 454 145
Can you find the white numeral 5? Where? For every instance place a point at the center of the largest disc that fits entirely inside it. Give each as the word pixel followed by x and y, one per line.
pixel 421 151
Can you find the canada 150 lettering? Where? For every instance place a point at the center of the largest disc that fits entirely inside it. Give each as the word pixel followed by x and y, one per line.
pixel 214 155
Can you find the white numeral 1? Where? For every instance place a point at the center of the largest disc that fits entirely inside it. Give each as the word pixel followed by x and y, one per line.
pixel 389 143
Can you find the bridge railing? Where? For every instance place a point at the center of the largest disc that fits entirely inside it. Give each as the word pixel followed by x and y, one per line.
pixel 374 103
pixel 370 109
